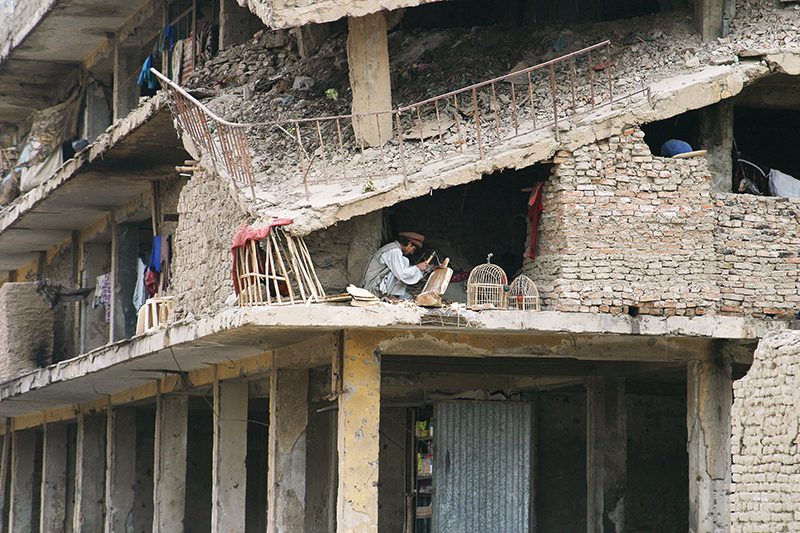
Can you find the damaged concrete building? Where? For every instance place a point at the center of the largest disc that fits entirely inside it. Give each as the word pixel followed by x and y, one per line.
pixel 191 186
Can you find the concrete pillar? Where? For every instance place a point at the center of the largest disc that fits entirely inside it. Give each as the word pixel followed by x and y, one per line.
pixel 708 419
pixel 708 16
pixel 169 472
pixel 120 469
pixel 127 66
pixel 606 455
pixel 286 479
pixel 368 61
pixel 53 506
pixel 236 24
pixel 23 459
pixel 90 473
pixel 228 468
pixel 358 442
pixel 716 136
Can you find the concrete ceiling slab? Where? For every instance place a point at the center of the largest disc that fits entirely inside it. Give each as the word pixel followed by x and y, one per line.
pixel 94 189
pixel 39 69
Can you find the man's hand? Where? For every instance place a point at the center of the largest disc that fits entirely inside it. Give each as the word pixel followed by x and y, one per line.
pixel 423 266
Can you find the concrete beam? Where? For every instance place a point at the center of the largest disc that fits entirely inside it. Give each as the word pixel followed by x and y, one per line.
pixel 368 61
pixel 90 473
pixel 606 455
pixel 228 470
pixel 288 420
pixel 53 508
pixel 169 472
pixel 358 442
pixel 120 469
pixel 708 419
pixel 23 461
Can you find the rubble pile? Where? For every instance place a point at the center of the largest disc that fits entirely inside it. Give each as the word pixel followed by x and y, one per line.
pixel 264 81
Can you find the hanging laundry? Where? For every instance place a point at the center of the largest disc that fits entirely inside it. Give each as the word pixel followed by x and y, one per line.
pixel 535 209
pixel 155 254
pixel 146 78
pixel 139 289
pixel 151 282
pixel 102 294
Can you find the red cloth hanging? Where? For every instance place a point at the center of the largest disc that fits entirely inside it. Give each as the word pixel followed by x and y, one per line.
pixel 535 209
pixel 249 233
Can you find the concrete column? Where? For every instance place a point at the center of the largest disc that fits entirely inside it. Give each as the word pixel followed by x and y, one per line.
pixel 236 24
pixel 606 455
pixel 708 18
pixel 358 443
pixel 716 136
pixel 53 505
pixel 120 469
pixel 23 458
pixel 708 419
pixel 368 60
pixel 286 479
pixel 169 472
pixel 90 473
pixel 126 72
pixel 228 468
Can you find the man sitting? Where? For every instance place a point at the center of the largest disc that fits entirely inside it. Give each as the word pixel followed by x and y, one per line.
pixel 389 271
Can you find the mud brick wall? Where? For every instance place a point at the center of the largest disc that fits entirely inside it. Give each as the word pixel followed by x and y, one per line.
pixel 758 250
pixel 623 228
pixel 26 330
pixel 765 494
pixel 201 269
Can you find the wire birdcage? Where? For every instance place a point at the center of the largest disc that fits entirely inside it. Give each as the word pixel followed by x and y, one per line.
pixel 487 287
pixel 523 294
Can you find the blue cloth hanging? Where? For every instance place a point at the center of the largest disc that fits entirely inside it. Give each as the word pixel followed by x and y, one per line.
pixel 146 78
pixel 155 255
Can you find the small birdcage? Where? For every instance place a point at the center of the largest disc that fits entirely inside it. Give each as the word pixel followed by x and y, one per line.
pixel 523 294
pixel 487 287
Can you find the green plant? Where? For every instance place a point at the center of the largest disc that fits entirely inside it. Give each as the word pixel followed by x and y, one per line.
pixel 332 94
pixel 368 186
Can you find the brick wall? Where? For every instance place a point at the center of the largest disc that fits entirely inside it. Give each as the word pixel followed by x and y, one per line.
pixel 201 269
pixel 623 228
pixel 26 330
pixel 758 248
pixel 765 416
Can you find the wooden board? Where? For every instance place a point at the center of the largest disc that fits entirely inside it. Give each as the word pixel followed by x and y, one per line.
pixel 687 155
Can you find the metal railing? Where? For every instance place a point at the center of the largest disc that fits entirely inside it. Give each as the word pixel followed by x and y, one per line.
pixel 464 123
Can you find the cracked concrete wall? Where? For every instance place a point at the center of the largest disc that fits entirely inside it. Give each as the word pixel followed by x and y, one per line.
pixel 208 218
pixel 342 251
pixel 26 330
pixel 766 438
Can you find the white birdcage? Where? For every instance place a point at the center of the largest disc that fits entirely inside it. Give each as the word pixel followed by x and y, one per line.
pixel 487 287
pixel 523 294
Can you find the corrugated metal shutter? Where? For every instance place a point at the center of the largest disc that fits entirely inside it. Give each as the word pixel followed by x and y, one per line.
pixel 482 467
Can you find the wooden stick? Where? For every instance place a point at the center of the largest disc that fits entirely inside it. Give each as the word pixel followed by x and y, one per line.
pixel 311 265
pixel 297 272
pixel 302 268
pixel 272 273
pixel 282 266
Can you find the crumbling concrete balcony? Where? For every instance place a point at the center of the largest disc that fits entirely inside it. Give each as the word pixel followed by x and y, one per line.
pixel 43 44
pixel 290 13
pixel 111 173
